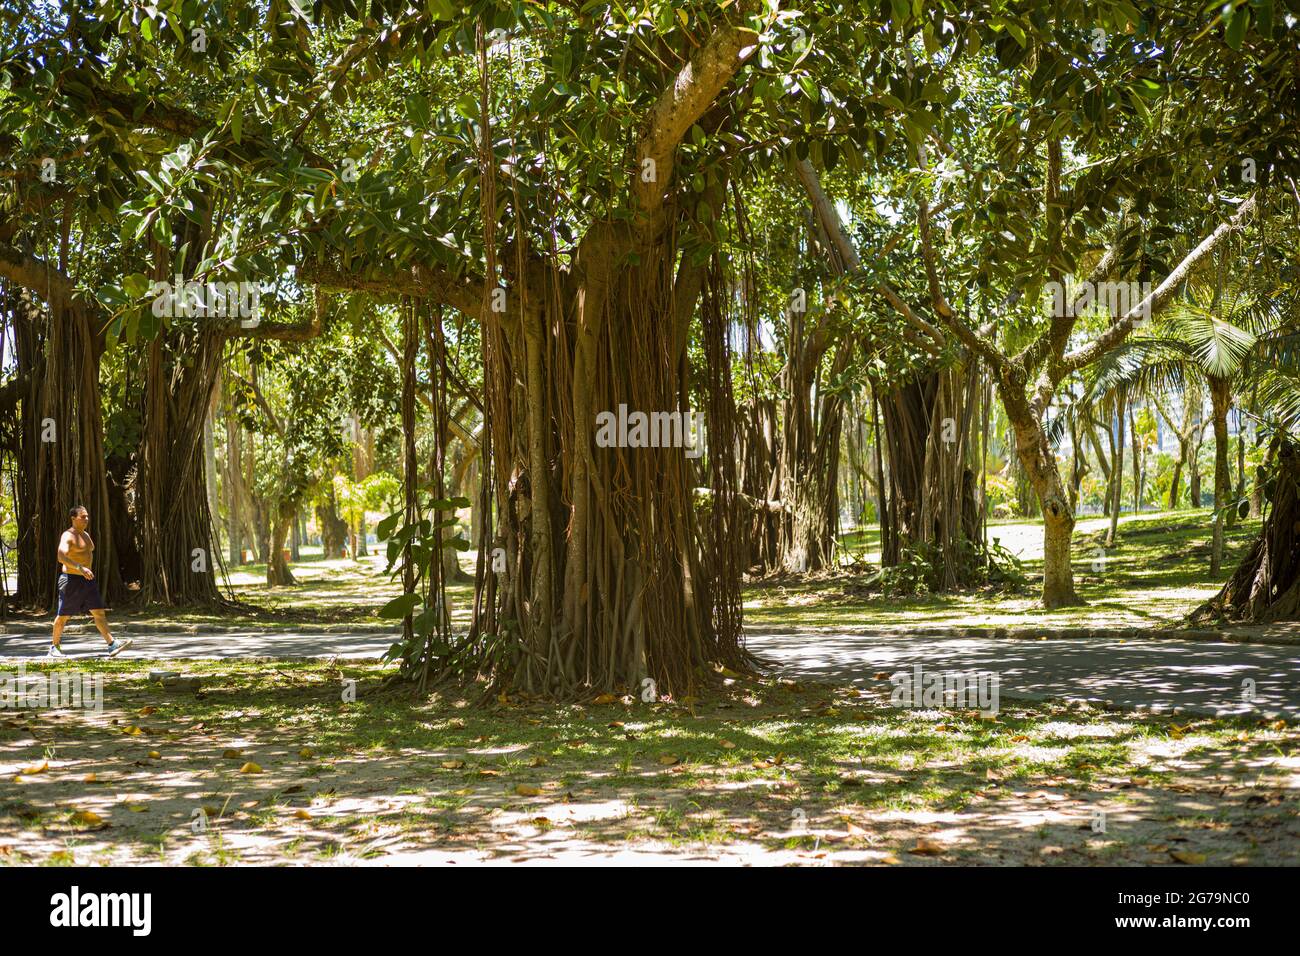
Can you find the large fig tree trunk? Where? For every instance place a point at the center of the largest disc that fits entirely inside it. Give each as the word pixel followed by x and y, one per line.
pixel 1266 585
pixel 60 447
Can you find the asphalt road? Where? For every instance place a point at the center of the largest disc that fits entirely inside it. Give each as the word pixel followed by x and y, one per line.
pixel 1158 674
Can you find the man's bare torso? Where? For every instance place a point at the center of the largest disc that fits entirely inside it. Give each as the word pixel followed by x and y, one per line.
pixel 79 548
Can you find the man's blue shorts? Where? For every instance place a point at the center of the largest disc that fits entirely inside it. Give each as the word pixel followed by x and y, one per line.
pixel 77 595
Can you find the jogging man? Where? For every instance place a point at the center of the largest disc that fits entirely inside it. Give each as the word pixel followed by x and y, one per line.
pixel 78 592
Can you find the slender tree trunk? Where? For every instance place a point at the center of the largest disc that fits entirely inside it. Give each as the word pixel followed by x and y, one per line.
pixel 1116 491
pixel 234 479
pixel 1221 399
pixel 1261 477
pixel 1240 492
pixel 1039 462
pixel 278 573
pixel 1194 402
pixel 1177 477
pixel 1135 444
pixel 252 509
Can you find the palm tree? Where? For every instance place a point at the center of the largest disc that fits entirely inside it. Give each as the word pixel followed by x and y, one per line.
pixel 1208 340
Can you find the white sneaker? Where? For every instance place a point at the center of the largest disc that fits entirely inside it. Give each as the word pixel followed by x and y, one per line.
pixel 117 647
pixel 54 652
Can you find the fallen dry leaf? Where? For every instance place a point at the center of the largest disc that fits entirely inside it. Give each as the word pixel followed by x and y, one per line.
pixel 1188 857
pixel 32 771
pixel 926 847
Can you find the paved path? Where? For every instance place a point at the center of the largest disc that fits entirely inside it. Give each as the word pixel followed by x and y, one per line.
pixel 1161 675
pixel 1158 674
pixel 251 643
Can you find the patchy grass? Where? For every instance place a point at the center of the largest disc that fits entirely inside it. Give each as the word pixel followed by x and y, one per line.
pixel 1155 575
pixel 762 771
pixel 335 595
pixel 1157 572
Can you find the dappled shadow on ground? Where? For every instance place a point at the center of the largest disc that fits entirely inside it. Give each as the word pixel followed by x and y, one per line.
pixel 273 764
pixel 252 643
pixel 1164 676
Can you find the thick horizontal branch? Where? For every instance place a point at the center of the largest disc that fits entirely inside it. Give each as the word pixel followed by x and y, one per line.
pixel 31 272
pixel 420 281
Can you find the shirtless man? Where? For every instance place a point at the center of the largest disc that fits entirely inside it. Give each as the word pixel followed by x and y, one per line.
pixel 78 592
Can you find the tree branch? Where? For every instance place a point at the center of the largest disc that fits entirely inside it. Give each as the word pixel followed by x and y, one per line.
pixel 693 89
pixel 1118 332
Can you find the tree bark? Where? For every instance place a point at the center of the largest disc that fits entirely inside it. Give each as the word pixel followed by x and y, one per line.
pixel 60 445
pixel 1221 400
pixel 278 573
pixel 1265 587
pixel 1039 462
pixel 1116 491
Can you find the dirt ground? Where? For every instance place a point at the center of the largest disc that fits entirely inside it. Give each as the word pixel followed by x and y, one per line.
pixel 269 764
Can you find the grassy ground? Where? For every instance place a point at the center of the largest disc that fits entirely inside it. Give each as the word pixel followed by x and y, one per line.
pixel 1155 575
pixel 270 764
pixel 1157 572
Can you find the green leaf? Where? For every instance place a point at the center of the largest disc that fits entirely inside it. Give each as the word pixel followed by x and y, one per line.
pixel 385 528
pixel 417 110
pixel 400 606
pixel 317 175
pixel 1236 31
pixel 136 285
